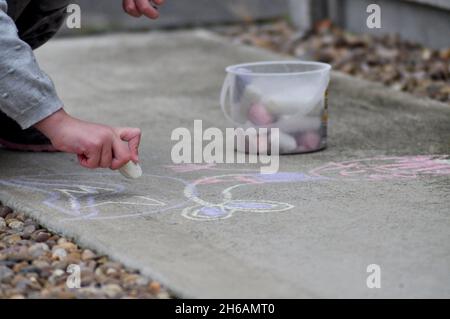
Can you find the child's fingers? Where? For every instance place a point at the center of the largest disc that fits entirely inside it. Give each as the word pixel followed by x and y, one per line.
pixel 133 137
pixel 90 159
pixel 158 2
pixel 106 158
pixel 147 9
pixel 129 6
pixel 121 154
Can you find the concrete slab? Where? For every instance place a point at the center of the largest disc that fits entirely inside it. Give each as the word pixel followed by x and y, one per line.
pixel 379 194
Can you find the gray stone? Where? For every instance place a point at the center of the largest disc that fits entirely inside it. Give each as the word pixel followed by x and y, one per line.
pixel 6 274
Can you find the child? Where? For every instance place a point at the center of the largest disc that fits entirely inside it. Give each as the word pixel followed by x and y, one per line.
pixel 32 117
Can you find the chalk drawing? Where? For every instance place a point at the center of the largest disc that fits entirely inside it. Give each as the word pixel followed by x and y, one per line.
pixel 84 197
pixel 184 168
pixel 93 196
pixel 226 206
pixel 386 168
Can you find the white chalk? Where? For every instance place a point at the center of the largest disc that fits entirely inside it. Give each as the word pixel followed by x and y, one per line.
pixel 287 144
pixel 291 101
pixel 131 170
pixel 250 96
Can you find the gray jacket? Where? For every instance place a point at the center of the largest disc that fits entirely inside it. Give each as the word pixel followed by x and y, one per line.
pixel 27 95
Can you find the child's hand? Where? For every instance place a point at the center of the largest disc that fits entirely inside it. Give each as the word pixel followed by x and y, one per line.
pixel 96 145
pixel 137 8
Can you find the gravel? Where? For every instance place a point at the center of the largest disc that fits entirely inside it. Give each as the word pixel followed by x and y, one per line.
pixel 396 63
pixel 36 263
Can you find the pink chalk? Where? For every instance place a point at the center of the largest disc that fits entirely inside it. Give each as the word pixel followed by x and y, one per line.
pixel 259 115
pixel 308 141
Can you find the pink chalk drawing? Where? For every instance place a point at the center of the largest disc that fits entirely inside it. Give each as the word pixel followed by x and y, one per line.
pixel 211 197
pixel 370 169
pixel 386 168
pixel 185 168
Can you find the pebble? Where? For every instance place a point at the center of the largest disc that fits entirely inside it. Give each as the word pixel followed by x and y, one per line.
pixel 42 264
pixel 19 266
pixel 12 239
pixel 87 255
pixel 386 59
pixel 70 247
pixel 154 287
pixel 6 274
pixel 58 273
pixel 133 280
pixel 15 224
pixel 61 240
pixel 5 211
pixel 112 290
pixel 31 266
pixel 38 250
pixel 59 253
pixel 41 236
pixel 28 230
pixel 73 257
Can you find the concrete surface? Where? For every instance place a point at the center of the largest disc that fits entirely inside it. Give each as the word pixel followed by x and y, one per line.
pixel 376 195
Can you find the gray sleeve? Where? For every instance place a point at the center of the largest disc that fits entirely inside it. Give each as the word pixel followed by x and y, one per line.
pixel 27 94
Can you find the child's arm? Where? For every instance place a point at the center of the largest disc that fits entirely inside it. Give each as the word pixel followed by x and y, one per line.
pixel 96 145
pixel 27 94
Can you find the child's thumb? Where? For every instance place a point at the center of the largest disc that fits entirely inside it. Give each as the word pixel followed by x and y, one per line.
pixel 133 137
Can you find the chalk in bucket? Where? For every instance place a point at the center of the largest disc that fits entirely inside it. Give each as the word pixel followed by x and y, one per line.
pixel 289 95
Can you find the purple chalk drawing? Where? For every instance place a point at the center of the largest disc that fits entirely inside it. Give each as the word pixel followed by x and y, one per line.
pixel 86 196
pixel 212 211
pixel 248 205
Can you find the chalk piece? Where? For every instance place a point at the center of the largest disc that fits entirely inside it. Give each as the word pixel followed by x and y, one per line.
pixel 287 144
pixel 308 141
pixel 259 115
pixel 240 108
pixel 252 94
pixel 131 170
pixel 290 101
